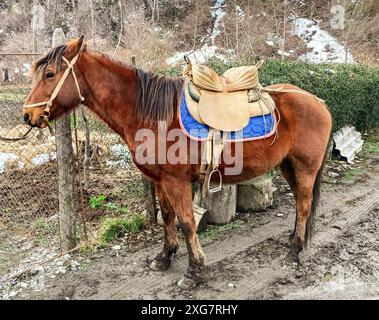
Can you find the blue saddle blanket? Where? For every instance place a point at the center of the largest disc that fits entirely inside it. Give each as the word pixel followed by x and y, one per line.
pixel 259 127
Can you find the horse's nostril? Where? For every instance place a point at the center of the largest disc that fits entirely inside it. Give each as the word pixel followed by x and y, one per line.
pixel 26 117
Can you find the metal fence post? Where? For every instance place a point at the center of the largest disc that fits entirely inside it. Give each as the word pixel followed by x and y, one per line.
pixel 66 177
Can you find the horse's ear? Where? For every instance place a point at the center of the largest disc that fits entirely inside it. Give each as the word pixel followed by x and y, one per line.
pixel 73 47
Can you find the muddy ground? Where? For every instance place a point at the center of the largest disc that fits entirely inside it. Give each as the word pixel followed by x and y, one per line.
pixel 244 261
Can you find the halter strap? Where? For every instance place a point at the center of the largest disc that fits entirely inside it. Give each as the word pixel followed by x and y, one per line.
pixel 57 89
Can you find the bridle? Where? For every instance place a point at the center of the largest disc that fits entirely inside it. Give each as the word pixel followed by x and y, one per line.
pixel 57 89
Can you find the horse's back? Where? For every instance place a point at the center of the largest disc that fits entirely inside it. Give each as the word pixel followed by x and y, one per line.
pixel 304 106
pixel 306 117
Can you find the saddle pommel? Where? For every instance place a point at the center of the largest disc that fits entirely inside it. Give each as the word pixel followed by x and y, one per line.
pixel 234 79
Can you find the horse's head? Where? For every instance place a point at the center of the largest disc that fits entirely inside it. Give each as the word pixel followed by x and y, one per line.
pixel 55 86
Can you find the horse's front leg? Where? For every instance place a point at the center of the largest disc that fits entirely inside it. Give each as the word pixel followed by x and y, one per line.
pixel 179 194
pixel 163 260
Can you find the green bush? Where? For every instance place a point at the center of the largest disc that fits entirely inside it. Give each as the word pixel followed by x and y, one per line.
pixel 114 227
pixel 350 91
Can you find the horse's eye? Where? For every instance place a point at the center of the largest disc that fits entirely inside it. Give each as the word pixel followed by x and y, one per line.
pixel 49 75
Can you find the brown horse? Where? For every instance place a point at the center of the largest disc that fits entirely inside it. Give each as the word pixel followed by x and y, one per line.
pixel 129 99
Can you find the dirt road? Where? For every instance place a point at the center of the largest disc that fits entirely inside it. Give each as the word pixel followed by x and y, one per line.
pixel 245 263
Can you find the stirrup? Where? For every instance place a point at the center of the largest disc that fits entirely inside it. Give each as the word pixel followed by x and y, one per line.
pixel 218 188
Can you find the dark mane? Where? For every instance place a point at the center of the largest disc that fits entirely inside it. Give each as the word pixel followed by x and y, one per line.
pixel 54 55
pixel 156 97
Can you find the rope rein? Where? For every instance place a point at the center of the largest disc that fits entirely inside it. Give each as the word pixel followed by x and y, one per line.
pixel 9 140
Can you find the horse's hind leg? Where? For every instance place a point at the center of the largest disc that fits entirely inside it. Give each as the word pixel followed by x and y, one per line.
pixel 288 174
pixel 307 178
pixel 163 260
pixel 304 190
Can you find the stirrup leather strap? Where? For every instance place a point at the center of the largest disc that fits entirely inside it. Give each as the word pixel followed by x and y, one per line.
pixel 211 160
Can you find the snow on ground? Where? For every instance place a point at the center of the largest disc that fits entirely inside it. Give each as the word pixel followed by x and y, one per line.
pixel 43 158
pixel 40 159
pixel 285 53
pixel 122 153
pixel 206 51
pixel 217 14
pixel 120 150
pixel 323 46
pixel 4 157
pixel 276 41
pixel 200 56
pixel 118 163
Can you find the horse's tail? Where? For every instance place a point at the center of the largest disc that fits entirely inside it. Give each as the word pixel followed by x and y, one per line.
pixel 316 199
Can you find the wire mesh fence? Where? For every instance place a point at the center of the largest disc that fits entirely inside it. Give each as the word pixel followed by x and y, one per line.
pixel 28 167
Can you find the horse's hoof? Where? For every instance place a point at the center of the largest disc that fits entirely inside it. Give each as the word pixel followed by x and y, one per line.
pixel 159 265
pixel 186 283
pixel 291 260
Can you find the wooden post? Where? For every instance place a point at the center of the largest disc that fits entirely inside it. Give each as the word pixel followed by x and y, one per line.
pixel 220 206
pixel 87 149
pixel 66 177
pixel 150 202
pixel 255 194
pixel 199 213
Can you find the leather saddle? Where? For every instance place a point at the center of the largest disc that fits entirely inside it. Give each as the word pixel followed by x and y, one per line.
pixel 225 103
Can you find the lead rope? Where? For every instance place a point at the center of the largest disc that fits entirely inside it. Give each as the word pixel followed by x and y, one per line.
pixel 10 140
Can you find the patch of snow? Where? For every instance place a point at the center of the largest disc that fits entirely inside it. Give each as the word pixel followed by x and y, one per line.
pixel 276 41
pixel 240 12
pixel 25 67
pixel 323 46
pixel 207 51
pixel 40 159
pixel 200 56
pixel 217 14
pixel 122 153
pixel 284 53
pixel 118 163
pixel 120 150
pixel 4 157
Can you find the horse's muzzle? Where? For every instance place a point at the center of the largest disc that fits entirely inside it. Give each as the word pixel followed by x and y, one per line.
pixel 42 122
pixel 27 118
